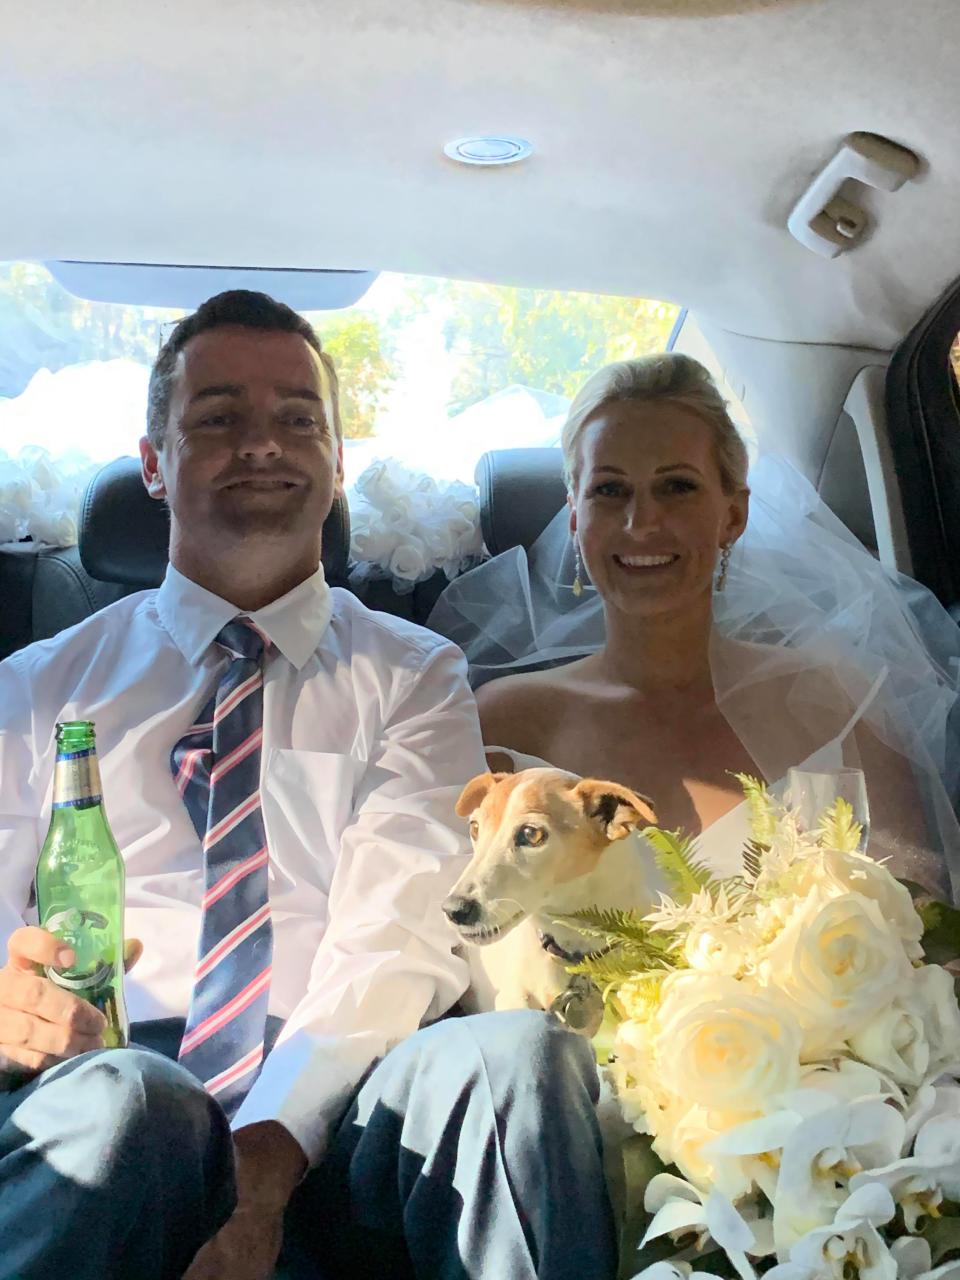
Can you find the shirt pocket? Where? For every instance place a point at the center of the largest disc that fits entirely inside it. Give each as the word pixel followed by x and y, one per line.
pixel 308 800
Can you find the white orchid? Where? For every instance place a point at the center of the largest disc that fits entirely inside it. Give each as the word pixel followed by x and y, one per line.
pixel 822 1154
pixel 913 1259
pixel 928 1102
pixel 673 1271
pixel 845 1080
pixel 852 1241
pixel 919 1182
pixel 679 1209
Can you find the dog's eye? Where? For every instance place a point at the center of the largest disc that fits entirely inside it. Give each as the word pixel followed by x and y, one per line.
pixel 533 836
pixel 474 830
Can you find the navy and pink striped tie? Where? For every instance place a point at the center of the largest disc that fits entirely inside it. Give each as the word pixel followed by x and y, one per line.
pixel 216 766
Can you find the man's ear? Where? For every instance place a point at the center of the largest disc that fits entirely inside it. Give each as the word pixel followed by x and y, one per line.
pixel 150 470
pixel 338 479
pixel 618 809
pixel 476 790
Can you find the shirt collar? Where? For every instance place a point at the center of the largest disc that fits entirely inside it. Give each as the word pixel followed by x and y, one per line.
pixel 194 616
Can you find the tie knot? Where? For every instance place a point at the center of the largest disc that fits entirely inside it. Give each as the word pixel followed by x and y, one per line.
pixel 243 638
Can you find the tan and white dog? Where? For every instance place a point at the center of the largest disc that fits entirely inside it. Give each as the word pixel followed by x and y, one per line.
pixel 546 843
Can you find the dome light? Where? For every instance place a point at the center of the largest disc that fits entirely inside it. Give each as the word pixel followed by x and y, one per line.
pixel 496 150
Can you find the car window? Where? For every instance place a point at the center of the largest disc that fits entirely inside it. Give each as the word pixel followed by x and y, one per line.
pixel 434 372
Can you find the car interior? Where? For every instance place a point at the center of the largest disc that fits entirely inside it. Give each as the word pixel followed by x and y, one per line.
pixel 785 171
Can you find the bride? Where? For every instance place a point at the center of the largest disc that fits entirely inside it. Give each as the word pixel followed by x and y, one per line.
pixel 694 639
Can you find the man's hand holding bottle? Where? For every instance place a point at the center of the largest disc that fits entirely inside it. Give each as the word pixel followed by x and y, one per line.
pixel 41 1024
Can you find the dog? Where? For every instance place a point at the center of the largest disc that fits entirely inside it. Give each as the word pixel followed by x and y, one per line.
pixel 546 843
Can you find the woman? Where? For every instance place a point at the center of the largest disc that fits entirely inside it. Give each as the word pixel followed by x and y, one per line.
pixel 671 703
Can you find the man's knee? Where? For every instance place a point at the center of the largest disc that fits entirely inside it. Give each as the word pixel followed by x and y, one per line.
pixel 537 1050
pixel 123 1138
pixel 521 1050
pixel 133 1099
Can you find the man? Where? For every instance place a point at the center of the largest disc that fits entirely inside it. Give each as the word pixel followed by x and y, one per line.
pixel 279 767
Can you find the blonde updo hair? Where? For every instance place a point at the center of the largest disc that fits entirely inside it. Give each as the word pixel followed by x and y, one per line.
pixel 667 376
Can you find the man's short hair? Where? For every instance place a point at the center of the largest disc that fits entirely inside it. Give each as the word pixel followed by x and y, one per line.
pixel 241 307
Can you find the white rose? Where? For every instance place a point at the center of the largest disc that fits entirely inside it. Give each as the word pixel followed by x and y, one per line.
pixel 369 541
pixel 43 471
pixel 841 873
pixel 409 561
pixel 932 998
pixel 56 528
pixel 894 1042
pixel 837 962
pixel 441 539
pixel 724 1046
pixel 633 1072
pixel 683 1137
pixel 16 489
pixel 376 484
pixel 717 948
pixel 398 518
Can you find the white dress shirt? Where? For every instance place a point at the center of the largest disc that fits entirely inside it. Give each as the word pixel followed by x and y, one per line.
pixel 370 731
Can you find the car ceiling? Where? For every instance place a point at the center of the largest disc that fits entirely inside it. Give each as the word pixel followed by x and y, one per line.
pixel 671 138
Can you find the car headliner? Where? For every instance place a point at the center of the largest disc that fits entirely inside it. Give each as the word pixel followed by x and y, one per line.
pixel 671 139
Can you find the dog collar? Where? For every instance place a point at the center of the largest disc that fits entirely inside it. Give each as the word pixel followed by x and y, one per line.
pixel 553 948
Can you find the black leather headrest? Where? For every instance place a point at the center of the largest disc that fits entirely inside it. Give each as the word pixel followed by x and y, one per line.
pixel 521 490
pixel 124 533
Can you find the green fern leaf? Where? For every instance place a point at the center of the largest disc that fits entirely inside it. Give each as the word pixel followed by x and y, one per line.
pixel 674 854
pixel 612 926
pixel 839 829
pixel 763 817
pixel 610 969
pixel 753 853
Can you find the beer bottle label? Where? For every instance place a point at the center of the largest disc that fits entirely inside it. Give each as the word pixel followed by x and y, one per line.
pixel 76 928
pixel 76 780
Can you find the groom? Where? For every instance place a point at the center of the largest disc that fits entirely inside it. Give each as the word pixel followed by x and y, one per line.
pixel 307 841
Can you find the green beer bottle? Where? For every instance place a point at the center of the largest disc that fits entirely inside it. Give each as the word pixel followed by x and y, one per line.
pixel 80 882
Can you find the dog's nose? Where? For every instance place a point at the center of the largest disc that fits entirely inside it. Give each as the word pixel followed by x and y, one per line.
pixel 462 910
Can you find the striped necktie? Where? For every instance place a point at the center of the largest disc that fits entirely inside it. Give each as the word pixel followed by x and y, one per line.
pixel 216 767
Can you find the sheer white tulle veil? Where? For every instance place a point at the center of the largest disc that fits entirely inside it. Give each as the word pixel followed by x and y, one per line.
pixel 846 647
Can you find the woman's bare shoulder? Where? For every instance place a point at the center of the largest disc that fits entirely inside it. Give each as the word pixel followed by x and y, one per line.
pixel 516 711
pixel 514 693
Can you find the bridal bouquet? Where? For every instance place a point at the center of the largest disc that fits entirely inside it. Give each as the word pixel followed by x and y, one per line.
pixel 791 1054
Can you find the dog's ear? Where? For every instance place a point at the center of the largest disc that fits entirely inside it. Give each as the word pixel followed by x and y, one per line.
pixel 617 808
pixel 472 795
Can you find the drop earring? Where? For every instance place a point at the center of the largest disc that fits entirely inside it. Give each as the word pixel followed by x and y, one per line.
pixel 577 579
pixel 724 566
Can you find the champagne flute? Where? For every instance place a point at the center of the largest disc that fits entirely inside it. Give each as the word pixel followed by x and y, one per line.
pixel 811 793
